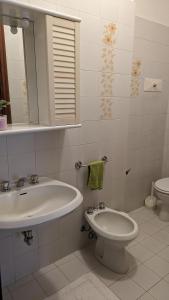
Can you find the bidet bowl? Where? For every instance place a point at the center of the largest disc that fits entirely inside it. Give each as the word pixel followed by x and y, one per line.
pixel 114 230
pixel 113 225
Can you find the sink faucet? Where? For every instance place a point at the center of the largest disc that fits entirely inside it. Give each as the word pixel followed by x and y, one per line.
pixel 5 186
pixel 20 182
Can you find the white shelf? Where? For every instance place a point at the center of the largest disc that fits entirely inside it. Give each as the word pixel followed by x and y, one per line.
pixel 19 129
pixel 20 9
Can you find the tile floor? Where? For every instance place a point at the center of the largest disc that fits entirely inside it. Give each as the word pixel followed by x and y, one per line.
pixel 79 276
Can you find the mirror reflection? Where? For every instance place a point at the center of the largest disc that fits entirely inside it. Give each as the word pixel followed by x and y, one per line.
pixel 16 74
pixel 15 70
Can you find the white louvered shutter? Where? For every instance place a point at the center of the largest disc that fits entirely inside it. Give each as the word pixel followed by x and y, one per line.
pixel 63 70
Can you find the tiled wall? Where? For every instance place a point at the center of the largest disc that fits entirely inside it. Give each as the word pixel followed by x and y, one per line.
pixel 53 154
pixel 148 113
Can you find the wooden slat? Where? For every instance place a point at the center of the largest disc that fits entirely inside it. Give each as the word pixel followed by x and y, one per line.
pixel 64 70
pixel 63 41
pixel 64 53
pixel 64 91
pixel 64 64
pixel 64 80
pixel 66 101
pixel 65 111
pixel 65 106
pixel 64 58
pixel 63 75
pixel 64 86
pixel 64 96
pixel 57 34
pixel 63 29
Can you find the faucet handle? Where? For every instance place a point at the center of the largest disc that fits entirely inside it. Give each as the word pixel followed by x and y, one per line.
pixel 5 186
pixel 102 205
pixel 34 179
pixel 20 182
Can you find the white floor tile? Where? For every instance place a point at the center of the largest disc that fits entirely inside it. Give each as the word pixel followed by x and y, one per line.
pixel 158 265
pixel 160 291
pixel 127 289
pixel 65 260
pixel 144 277
pixel 142 215
pixel 88 287
pixel 147 296
pixel 29 291
pixel 44 270
pixel 73 269
pixel 52 281
pixel 88 258
pixel 150 228
pixel 152 244
pixel 162 236
pixel 105 275
pixel 140 253
pixel 164 253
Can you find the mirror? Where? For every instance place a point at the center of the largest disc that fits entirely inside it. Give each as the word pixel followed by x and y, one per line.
pixel 18 70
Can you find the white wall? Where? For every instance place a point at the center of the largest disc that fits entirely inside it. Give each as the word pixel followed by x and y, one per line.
pixel 54 154
pixel 153 10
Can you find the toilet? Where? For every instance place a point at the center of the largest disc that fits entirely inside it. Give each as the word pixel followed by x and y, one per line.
pixel 114 230
pixel 161 188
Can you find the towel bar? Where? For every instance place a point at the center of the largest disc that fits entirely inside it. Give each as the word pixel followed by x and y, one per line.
pixel 79 164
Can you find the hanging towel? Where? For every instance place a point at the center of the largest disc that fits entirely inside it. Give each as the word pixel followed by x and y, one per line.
pixel 95 175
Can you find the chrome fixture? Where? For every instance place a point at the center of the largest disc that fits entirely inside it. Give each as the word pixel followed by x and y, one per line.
pixel 34 179
pixel 28 237
pixel 19 23
pixel 79 164
pixel 14 29
pixel 25 23
pixel 90 210
pixel 5 186
pixel 20 182
pixel 102 205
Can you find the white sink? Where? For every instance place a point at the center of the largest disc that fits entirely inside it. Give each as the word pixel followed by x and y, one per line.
pixel 35 204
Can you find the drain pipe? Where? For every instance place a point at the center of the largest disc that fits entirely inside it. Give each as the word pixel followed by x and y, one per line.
pixel 28 237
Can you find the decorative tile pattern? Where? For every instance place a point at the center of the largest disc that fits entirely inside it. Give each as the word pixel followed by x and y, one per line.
pixel 109 40
pixel 135 81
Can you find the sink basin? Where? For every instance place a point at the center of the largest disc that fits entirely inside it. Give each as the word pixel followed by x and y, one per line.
pixel 35 204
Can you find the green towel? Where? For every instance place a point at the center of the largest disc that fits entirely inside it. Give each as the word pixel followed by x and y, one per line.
pixel 95 175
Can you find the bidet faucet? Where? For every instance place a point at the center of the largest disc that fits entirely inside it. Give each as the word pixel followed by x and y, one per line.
pixel 5 186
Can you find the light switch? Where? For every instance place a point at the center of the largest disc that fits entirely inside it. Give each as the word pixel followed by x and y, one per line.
pixel 152 85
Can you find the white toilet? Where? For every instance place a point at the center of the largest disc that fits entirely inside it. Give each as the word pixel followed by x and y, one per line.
pixel 161 187
pixel 114 230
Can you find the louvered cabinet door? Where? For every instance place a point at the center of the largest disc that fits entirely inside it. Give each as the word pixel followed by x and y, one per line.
pixel 63 70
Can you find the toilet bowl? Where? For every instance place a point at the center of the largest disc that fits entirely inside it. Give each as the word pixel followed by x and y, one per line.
pixel 161 188
pixel 114 230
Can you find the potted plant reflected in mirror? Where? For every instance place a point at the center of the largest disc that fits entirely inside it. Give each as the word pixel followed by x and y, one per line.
pixel 3 116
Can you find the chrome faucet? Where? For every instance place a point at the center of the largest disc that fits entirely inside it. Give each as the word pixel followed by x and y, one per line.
pixel 34 179
pixel 5 186
pixel 20 182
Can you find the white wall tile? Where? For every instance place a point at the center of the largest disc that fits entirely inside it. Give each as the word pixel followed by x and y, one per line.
pixel 55 153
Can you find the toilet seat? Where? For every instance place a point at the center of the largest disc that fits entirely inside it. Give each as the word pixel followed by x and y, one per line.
pixel 162 185
pixel 112 224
